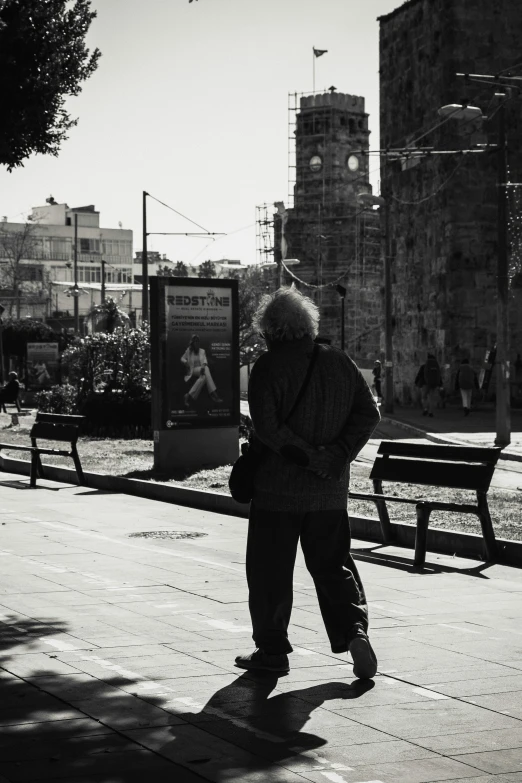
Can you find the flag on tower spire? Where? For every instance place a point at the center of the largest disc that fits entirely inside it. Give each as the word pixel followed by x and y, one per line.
pixel 320 52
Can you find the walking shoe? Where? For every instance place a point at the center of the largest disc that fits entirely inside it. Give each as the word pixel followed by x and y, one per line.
pixel 424 412
pixel 261 660
pixel 363 656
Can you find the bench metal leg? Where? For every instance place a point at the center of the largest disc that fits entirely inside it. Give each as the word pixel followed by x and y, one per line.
pixel 34 468
pixel 490 542
pixel 78 466
pixel 384 518
pixel 421 537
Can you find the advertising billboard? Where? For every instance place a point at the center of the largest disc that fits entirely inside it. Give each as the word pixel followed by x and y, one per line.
pixel 195 353
pixel 42 365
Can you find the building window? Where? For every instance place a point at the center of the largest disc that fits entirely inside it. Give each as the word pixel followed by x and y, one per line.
pixel 30 273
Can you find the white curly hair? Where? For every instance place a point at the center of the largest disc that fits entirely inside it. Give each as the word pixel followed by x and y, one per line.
pixel 286 314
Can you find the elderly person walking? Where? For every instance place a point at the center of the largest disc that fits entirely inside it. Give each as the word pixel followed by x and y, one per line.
pixel 301 485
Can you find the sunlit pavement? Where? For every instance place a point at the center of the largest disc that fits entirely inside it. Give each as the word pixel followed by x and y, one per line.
pixel 117 657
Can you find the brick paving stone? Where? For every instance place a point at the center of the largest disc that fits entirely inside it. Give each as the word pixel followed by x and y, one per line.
pixel 505 703
pixel 494 761
pixel 212 757
pixel 67 768
pixel 415 771
pixel 480 687
pixel 473 741
pixel 419 719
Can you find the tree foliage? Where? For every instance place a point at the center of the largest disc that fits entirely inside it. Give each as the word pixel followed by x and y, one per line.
pixel 180 270
pixel 16 333
pixel 207 269
pixel 43 59
pixel 251 288
pixel 107 317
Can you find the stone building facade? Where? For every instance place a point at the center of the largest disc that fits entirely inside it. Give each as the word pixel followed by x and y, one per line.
pixel 336 240
pixel 443 208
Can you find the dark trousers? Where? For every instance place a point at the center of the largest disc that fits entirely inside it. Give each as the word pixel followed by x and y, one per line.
pixel 271 551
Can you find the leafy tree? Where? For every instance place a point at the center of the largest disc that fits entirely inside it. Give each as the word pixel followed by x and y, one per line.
pixel 180 270
pixel 164 271
pixel 43 59
pixel 15 246
pixel 16 333
pixel 107 317
pixel 207 269
pixel 251 288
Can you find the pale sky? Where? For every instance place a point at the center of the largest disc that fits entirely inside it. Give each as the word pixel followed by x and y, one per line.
pixel 189 102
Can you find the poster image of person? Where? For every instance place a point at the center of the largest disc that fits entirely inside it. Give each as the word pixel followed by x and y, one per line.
pixel 42 365
pixel 39 374
pixel 196 364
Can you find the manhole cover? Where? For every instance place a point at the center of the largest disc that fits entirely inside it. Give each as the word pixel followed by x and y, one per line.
pixel 167 534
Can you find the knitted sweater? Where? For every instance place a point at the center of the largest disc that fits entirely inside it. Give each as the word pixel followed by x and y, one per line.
pixel 334 419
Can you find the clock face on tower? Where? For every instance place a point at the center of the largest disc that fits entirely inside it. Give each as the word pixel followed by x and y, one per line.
pixel 353 162
pixel 316 163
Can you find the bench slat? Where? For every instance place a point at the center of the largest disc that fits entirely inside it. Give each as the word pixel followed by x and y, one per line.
pixel 60 418
pixel 16 446
pixel 454 453
pixel 435 474
pixel 47 431
pixel 435 505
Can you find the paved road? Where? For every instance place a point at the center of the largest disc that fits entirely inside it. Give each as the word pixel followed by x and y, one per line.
pixel 116 657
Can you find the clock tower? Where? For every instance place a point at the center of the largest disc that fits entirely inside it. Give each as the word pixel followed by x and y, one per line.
pixel 331 138
pixel 335 238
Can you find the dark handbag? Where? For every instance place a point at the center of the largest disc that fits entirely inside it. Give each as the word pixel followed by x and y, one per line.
pixel 242 476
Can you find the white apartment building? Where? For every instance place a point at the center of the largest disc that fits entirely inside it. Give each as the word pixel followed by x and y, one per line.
pixel 48 258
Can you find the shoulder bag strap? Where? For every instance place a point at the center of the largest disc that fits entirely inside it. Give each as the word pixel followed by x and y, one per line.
pixel 305 382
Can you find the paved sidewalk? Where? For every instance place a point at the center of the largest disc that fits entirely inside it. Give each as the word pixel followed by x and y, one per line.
pixel 116 656
pixel 449 424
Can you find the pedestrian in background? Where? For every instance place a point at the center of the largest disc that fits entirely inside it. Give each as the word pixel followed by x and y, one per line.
pixel 377 380
pixel 466 381
pixel 10 392
pixel 301 485
pixel 429 380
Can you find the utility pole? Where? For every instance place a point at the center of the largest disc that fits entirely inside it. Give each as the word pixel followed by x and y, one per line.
pixel 503 406
pixel 76 292
pixel 102 280
pixel 279 205
pixel 144 262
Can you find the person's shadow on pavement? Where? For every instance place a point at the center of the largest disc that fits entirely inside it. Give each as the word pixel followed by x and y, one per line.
pixel 245 714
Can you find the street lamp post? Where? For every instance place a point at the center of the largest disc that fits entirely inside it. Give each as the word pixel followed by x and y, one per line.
pixel 503 403
pixel 371 200
pixel 103 262
pixel 75 291
pixel 144 265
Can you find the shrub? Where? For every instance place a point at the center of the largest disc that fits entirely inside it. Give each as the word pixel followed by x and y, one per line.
pixel 57 399
pixel 112 414
pixel 116 362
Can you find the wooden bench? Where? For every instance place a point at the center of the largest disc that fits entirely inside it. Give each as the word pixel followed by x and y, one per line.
pixel 15 411
pixel 51 427
pixel 455 467
pixel 16 404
